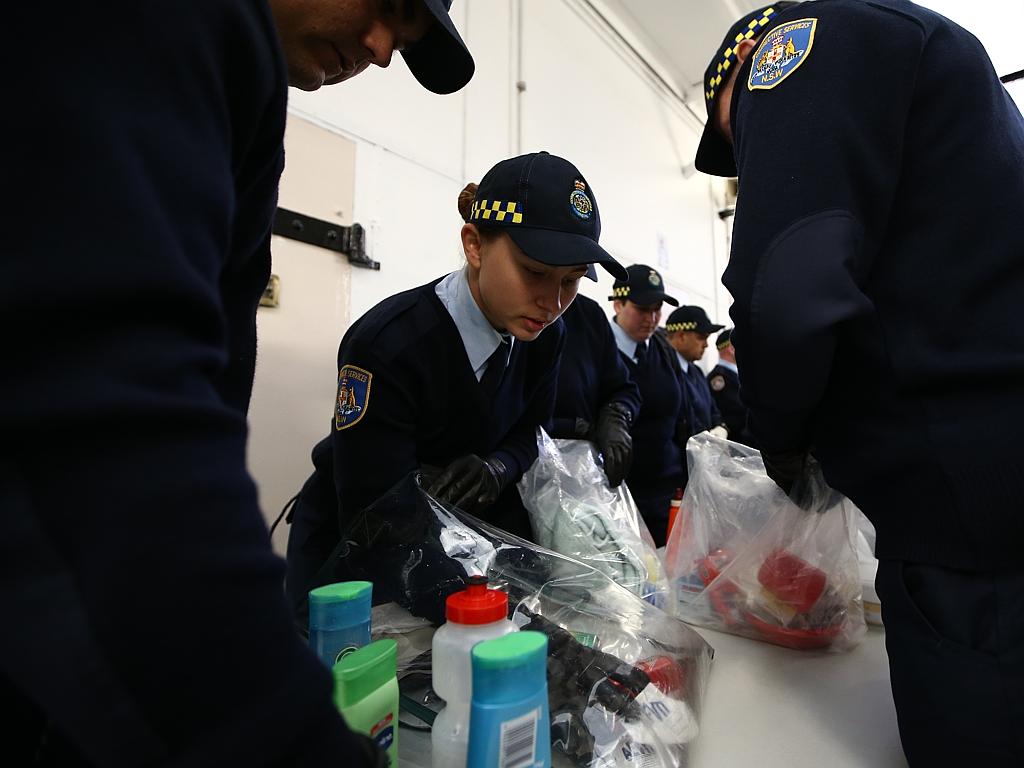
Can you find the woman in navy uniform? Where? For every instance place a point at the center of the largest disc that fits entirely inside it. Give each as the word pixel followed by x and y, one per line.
pixel 658 463
pixel 455 376
pixel 597 400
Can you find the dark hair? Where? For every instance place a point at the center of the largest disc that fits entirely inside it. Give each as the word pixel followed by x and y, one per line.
pixel 488 232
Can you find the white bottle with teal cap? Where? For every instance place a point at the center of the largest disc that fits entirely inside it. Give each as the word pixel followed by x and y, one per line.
pixel 339 619
pixel 509 724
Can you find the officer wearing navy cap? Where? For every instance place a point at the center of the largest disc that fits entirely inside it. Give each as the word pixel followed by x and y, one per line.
pixel 659 464
pixel 455 376
pixel 879 239
pixel 724 382
pixel 597 400
pixel 686 330
pixel 135 309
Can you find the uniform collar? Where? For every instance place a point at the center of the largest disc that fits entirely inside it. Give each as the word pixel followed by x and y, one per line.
pixel 478 336
pixel 731 366
pixel 624 341
pixel 683 363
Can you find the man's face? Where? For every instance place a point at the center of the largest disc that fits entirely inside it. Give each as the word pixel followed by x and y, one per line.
pixel 639 321
pixel 689 344
pixel 327 41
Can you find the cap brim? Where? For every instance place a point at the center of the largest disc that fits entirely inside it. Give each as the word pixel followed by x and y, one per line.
pixel 565 249
pixel 441 62
pixel 646 298
pixel 714 153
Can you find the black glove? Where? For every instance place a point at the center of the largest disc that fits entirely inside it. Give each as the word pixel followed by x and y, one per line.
pixel 470 483
pixel 611 433
pixel 784 467
pixel 799 475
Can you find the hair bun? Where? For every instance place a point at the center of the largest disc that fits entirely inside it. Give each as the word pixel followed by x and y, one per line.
pixel 466 197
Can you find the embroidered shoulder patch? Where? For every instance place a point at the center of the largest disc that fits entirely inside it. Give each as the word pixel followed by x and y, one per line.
pixel 718 383
pixel 782 50
pixel 353 396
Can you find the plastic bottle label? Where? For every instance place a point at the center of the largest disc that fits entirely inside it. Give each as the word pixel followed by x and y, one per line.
pixel 345 652
pixel 519 741
pixel 383 733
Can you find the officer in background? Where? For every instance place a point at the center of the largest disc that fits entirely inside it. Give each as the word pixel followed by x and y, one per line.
pixel 658 464
pixel 687 330
pixel 724 382
pixel 879 239
pixel 596 400
pixel 144 621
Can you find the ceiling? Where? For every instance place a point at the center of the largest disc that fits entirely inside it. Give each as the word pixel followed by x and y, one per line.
pixel 682 35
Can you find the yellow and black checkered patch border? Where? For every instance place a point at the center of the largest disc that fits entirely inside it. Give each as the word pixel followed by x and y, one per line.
pixel 729 54
pixel 687 326
pixel 724 344
pixel 496 210
pixel 620 293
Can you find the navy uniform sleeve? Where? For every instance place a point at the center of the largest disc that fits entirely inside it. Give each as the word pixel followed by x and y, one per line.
pixel 818 156
pixel 374 446
pixel 519 449
pixel 142 604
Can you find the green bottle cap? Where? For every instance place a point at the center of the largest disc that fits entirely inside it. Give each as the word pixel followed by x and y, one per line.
pixel 365 670
pixel 341 592
pixel 517 649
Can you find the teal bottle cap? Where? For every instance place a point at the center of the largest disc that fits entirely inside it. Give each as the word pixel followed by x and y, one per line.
pixel 518 649
pixel 365 670
pixel 336 606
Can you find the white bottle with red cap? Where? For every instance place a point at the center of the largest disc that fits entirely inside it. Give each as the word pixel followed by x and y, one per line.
pixel 473 615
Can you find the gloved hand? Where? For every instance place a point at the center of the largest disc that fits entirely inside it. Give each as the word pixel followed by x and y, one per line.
pixel 720 431
pixel 611 434
pixel 470 483
pixel 799 475
pixel 784 467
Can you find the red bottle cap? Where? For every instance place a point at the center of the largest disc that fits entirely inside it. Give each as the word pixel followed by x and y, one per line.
pixel 477 604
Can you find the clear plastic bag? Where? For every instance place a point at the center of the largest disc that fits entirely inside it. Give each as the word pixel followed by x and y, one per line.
pixel 625 679
pixel 743 558
pixel 574 512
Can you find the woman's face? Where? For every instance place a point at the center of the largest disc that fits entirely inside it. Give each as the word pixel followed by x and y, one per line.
pixel 517 294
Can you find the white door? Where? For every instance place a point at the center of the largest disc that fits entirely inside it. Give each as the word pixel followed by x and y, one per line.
pixel 296 370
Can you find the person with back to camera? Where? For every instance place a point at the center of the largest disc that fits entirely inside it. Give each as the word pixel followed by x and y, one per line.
pixel 658 467
pixel 454 377
pixel 144 617
pixel 879 240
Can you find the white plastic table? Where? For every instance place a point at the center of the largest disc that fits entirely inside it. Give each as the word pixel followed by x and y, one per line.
pixel 772 707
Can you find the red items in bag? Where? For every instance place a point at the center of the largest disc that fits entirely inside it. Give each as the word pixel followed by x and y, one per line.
pixel 791 580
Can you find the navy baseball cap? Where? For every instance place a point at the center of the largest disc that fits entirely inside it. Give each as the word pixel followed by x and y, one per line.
pixel 441 62
pixel 714 153
pixel 548 209
pixel 724 339
pixel 690 318
pixel 642 285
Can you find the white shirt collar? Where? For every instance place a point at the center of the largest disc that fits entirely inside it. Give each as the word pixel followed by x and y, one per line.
pixel 478 335
pixel 731 366
pixel 625 343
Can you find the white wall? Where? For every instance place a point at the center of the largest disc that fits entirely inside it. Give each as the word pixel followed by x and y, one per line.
pixel 584 99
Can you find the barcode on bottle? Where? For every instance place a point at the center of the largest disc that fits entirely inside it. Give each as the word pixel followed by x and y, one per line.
pixel 519 740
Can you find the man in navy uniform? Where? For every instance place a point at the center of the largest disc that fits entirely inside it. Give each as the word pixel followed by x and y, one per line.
pixel 687 330
pixel 724 383
pixel 879 240
pixel 144 620
pixel 659 465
